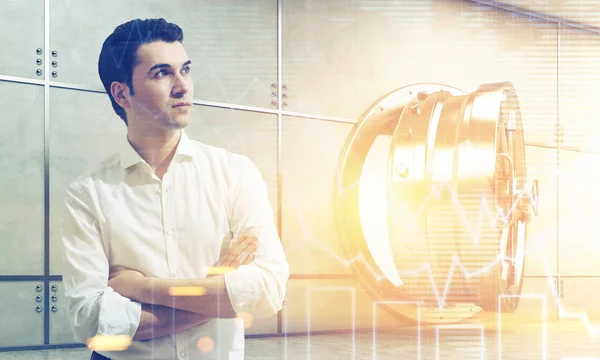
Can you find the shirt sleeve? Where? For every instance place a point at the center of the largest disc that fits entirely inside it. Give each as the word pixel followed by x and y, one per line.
pixel 258 288
pixel 93 307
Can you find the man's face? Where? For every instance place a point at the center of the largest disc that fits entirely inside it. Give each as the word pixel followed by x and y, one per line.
pixel 162 85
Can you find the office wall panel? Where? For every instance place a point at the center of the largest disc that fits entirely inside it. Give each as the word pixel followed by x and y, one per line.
pixel 84 130
pixel 22 181
pixel 576 295
pixel 542 235
pixel 578 225
pixel 311 149
pixel 372 48
pixel 22 24
pixel 22 317
pixel 248 133
pixel 60 329
pixel 232 44
pixel 579 76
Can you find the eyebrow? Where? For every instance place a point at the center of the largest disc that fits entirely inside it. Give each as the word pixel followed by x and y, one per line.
pixel 160 66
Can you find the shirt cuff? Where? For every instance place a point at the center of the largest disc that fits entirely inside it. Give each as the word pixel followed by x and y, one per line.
pixel 118 315
pixel 243 289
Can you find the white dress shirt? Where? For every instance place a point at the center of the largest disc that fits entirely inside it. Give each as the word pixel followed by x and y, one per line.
pixel 122 214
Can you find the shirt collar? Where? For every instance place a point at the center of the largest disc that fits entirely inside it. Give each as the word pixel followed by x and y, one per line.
pixel 130 157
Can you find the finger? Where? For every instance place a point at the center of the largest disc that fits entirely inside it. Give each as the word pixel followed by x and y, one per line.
pixel 231 255
pixel 234 252
pixel 228 259
pixel 247 237
pixel 248 260
pixel 246 241
pixel 244 255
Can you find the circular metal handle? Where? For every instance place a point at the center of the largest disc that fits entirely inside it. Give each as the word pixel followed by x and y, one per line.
pixel 39 308
pixel 39 72
pixel 39 51
pixel 54 63
pixel 54 74
pixel 38 61
pixel 54 308
pixel 54 287
pixel 39 288
pixel 38 298
pixel 54 298
pixel 54 53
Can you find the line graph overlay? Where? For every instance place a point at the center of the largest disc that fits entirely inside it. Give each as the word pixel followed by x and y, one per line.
pixel 308 313
pixel 544 322
pixel 376 304
pixel 462 328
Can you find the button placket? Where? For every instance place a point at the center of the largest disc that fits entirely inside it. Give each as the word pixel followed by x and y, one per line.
pixel 168 223
pixel 181 342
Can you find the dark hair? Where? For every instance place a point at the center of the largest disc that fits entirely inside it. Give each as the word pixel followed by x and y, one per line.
pixel 118 56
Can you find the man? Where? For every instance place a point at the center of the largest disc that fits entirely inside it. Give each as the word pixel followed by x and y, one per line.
pixel 169 242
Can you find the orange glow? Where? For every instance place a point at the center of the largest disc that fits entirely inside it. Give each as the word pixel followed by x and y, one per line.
pixel 219 270
pixel 187 291
pixel 244 320
pixel 205 344
pixel 109 343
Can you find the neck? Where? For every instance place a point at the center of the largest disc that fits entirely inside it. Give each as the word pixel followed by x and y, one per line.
pixel 156 148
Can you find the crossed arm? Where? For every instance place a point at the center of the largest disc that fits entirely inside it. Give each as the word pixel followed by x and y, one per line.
pixel 143 307
pixel 164 312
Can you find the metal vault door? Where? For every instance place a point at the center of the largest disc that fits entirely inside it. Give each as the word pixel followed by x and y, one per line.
pixel 442 220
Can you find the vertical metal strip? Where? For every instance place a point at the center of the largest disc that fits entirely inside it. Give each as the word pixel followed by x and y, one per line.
pixel 46 173
pixel 279 137
pixel 558 154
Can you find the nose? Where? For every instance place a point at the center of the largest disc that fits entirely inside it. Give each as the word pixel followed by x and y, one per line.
pixel 181 85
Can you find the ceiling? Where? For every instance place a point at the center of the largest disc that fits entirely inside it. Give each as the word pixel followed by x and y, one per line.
pixel 574 12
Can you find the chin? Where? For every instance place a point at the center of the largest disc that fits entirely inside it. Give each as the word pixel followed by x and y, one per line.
pixel 178 123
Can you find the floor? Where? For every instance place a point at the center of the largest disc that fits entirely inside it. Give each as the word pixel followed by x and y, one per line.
pixel 566 340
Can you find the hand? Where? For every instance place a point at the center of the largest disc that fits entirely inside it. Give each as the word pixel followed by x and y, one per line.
pixel 240 253
pixel 126 281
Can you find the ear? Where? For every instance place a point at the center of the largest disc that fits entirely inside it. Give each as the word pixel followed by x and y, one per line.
pixel 120 93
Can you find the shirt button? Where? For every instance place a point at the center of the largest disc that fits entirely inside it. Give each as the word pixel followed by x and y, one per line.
pixel 182 354
pixel 169 232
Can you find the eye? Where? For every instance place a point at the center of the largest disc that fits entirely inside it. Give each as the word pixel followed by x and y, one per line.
pixel 186 69
pixel 161 74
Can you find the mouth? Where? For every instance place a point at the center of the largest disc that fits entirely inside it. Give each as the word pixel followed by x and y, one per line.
pixel 182 104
